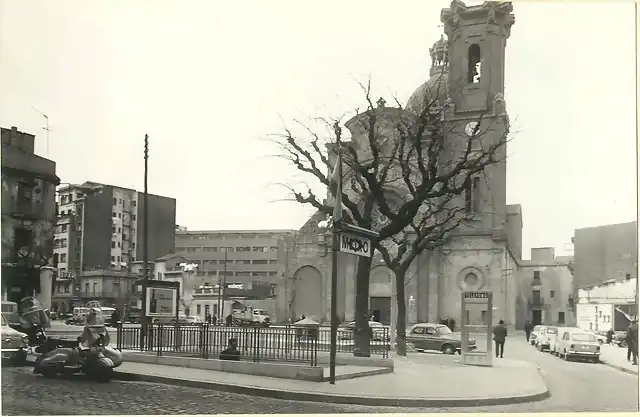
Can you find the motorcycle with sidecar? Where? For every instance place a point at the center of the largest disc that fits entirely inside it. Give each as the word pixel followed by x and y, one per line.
pixel 89 354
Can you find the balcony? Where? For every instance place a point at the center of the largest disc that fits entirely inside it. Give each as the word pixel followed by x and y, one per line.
pixel 536 303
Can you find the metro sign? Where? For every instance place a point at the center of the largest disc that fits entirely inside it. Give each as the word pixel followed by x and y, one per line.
pixel 355 245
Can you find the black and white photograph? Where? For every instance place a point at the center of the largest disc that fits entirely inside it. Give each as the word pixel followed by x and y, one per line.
pixel 290 207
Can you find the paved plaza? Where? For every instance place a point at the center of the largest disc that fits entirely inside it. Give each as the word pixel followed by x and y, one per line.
pixel 434 374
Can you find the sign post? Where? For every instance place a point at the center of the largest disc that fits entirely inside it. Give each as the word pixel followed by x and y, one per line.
pixel 477 316
pixel 356 241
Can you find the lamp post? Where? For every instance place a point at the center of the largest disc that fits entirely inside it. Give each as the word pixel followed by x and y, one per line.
pixel 145 244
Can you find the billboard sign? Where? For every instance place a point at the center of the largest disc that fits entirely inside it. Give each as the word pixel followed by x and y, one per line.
pixel 161 301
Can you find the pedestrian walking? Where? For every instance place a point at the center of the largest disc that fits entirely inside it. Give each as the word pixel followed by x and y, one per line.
pixel 499 336
pixel 632 341
pixel 609 336
pixel 229 320
pixel 528 328
pixel 214 320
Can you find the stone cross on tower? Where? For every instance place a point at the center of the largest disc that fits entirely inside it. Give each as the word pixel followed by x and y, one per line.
pixel 381 102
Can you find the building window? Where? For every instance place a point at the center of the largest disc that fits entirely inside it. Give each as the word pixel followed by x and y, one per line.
pixel 475 64
pixel 259 249
pixel 120 201
pixel 259 274
pixel 113 244
pixel 628 277
pixel 65 227
pixel 118 259
pixel 210 249
pixel 259 262
pixel 63 243
pixel 113 215
pixel 243 274
pixel 63 258
pixel 119 215
pixel 179 249
pixel 118 244
pixel 536 275
pixel 272 273
pixel 552 294
pixel 86 287
pixel 199 307
pixel 115 201
pixel 273 261
pixel 243 249
pixel 119 229
pixel 134 203
pixel 133 217
pixel 472 195
pixel 113 259
pixel 113 229
pixel 560 316
pixel 192 249
pixel 273 248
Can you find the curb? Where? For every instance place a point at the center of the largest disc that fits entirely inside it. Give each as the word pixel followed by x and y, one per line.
pixel 620 368
pixel 325 397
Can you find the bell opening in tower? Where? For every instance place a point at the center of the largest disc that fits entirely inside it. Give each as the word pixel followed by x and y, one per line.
pixel 475 66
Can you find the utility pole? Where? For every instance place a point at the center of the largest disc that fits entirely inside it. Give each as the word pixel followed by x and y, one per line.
pixel 145 244
pixel 224 283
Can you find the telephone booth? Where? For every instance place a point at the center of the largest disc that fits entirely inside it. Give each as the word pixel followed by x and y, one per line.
pixel 476 315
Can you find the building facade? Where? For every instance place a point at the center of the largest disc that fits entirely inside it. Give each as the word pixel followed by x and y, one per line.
pixel 240 258
pixel 608 305
pixel 28 218
pixel 482 256
pixel 545 289
pixel 100 227
pixel 605 252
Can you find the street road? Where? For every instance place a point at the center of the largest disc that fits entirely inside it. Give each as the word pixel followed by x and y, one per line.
pixel 574 386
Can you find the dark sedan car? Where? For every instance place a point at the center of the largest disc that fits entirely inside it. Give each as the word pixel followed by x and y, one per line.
pixel 429 336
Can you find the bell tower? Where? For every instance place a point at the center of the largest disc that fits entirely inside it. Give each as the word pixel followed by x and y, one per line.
pixel 477 42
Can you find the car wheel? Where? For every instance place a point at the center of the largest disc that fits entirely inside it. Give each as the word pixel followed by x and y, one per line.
pixel 600 341
pixel 448 350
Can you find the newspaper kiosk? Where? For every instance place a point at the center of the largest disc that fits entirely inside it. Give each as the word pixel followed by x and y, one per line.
pixel 476 314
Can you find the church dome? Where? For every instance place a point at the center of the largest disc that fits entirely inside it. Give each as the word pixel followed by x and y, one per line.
pixel 437 88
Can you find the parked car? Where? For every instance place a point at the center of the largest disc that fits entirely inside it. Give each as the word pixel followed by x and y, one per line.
pixel 13 343
pixel 378 329
pixel 544 337
pixel 579 344
pixel 10 313
pixel 429 336
pixel 535 334
pixel 620 339
pixel 555 337
pixel 601 337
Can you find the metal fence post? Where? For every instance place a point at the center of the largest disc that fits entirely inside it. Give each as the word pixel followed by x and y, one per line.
pixel 256 345
pixel 149 337
pixel 159 341
pixel 206 340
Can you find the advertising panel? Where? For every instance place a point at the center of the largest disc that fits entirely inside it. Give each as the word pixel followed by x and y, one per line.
pixel 161 301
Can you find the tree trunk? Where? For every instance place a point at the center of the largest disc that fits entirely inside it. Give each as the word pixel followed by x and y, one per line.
pixel 401 319
pixel 362 334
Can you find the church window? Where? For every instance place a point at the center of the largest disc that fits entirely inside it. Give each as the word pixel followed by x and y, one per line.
pixel 472 195
pixel 471 280
pixel 475 64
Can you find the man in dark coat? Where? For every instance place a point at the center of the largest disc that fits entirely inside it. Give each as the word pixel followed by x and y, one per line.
pixel 499 336
pixel 632 341
pixel 609 336
pixel 528 328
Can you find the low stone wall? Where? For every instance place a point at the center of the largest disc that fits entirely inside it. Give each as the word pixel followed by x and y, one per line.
pixel 274 370
pixel 323 359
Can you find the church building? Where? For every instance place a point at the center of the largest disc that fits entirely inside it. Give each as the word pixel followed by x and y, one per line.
pixel 467 75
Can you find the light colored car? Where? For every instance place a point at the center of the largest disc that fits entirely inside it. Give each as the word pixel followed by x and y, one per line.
pixel 543 339
pixel 429 336
pixel 13 343
pixel 378 329
pixel 578 344
pixel 535 334
pixel 554 338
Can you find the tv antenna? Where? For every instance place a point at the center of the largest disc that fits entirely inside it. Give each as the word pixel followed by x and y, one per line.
pixel 45 127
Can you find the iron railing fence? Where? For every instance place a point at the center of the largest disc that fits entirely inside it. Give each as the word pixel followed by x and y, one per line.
pixel 286 343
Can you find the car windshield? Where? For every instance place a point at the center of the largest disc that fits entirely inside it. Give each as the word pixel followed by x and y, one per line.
pixel 583 337
pixel 443 330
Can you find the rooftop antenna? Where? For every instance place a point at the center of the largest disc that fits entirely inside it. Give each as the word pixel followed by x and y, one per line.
pixel 45 127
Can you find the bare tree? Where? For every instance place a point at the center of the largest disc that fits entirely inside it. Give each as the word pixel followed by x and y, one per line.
pixel 409 176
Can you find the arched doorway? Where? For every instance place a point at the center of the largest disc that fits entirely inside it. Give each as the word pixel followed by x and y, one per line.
pixel 306 297
pixel 380 292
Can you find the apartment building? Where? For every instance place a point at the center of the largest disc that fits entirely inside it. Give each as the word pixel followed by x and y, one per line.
pixel 545 293
pixel 28 218
pixel 100 227
pixel 252 256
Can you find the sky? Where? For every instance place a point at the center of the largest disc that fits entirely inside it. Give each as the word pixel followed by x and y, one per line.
pixel 210 82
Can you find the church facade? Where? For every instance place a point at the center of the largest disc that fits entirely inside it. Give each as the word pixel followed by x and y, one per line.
pixel 467 76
